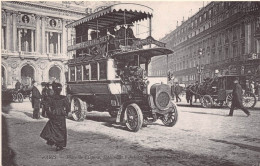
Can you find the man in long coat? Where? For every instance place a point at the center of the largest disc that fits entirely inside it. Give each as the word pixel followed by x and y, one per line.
pixel 36 101
pixel 237 99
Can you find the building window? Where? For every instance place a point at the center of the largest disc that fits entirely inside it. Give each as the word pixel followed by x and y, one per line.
pixel 243 30
pixel 243 48
pixel 226 53
pixel 86 72
pixel 93 71
pixel 26 40
pixel 102 70
pixel 53 42
pixel 234 50
pixel 72 73
pixel 79 73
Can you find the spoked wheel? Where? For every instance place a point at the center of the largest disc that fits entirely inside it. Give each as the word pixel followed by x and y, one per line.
pixel 78 109
pixel 20 97
pixel 14 96
pixel 249 100
pixel 206 101
pixel 229 100
pixel 170 119
pixel 134 117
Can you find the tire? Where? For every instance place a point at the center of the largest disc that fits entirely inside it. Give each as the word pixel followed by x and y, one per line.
pixel 206 101
pixel 171 118
pixel 249 100
pixel 134 117
pixel 20 97
pixel 78 109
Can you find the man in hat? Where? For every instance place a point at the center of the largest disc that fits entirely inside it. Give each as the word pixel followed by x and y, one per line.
pixel 36 101
pixel 130 34
pixel 237 99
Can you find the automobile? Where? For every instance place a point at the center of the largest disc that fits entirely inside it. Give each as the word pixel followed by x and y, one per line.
pixel 109 73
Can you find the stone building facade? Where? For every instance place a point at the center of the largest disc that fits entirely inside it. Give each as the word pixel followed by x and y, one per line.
pixel 34 39
pixel 221 37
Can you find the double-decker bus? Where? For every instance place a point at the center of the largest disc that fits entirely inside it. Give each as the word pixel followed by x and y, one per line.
pixel 108 69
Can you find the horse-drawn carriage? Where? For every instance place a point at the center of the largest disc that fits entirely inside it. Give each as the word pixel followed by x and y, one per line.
pixel 217 91
pixel 21 94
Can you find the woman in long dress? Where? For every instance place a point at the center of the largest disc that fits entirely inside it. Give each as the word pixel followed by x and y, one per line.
pixel 55 131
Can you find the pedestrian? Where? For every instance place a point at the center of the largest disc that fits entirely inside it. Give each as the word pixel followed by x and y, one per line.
pixel 36 101
pixel 196 90
pixel 189 94
pixel 17 85
pixel 237 99
pixel 55 131
pixel 44 99
pixel 177 92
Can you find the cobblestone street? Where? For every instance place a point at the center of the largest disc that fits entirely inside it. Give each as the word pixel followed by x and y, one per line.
pixel 201 137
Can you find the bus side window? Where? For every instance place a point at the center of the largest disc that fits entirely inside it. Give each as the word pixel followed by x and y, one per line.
pixel 79 73
pixel 93 68
pixel 86 72
pixel 72 73
pixel 103 70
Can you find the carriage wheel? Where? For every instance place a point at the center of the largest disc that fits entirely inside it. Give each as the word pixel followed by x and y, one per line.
pixel 78 109
pixel 20 97
pixel 249 100
pixel 229 100
pixel 134 117
pixel 206 101
pixel 171 118
pixel 14 96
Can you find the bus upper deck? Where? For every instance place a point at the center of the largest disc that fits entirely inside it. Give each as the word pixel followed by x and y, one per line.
pixel 109 31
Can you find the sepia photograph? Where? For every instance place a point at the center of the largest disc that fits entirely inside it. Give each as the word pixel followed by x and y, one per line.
pixel 130 83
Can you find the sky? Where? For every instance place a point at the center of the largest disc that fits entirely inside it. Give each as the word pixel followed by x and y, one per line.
pixel 167 13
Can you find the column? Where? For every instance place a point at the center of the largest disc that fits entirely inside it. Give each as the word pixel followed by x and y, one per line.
pixel 14 32
pixel 248 38
pixel 32 40
pixel 69 43
pixel 19 40
pixel 38 34
pixel 47 37
pixel 3 39
pixel 8 30
pixel 58 48
pixel 43 35
pixel 64 37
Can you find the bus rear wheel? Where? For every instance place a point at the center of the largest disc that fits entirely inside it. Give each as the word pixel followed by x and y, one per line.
pixel 78 109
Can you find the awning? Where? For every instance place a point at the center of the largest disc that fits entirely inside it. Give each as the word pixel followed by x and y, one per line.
pixel 144 53
pixel 119 13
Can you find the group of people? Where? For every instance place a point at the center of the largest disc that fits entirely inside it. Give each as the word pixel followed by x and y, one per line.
pixel 176 90
pixel 121 35
pixel 55 107
pixel 252 87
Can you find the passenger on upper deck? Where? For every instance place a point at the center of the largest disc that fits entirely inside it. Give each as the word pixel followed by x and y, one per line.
pixel 130 34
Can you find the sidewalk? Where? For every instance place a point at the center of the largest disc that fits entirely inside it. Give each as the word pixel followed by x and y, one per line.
pixel 197 104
